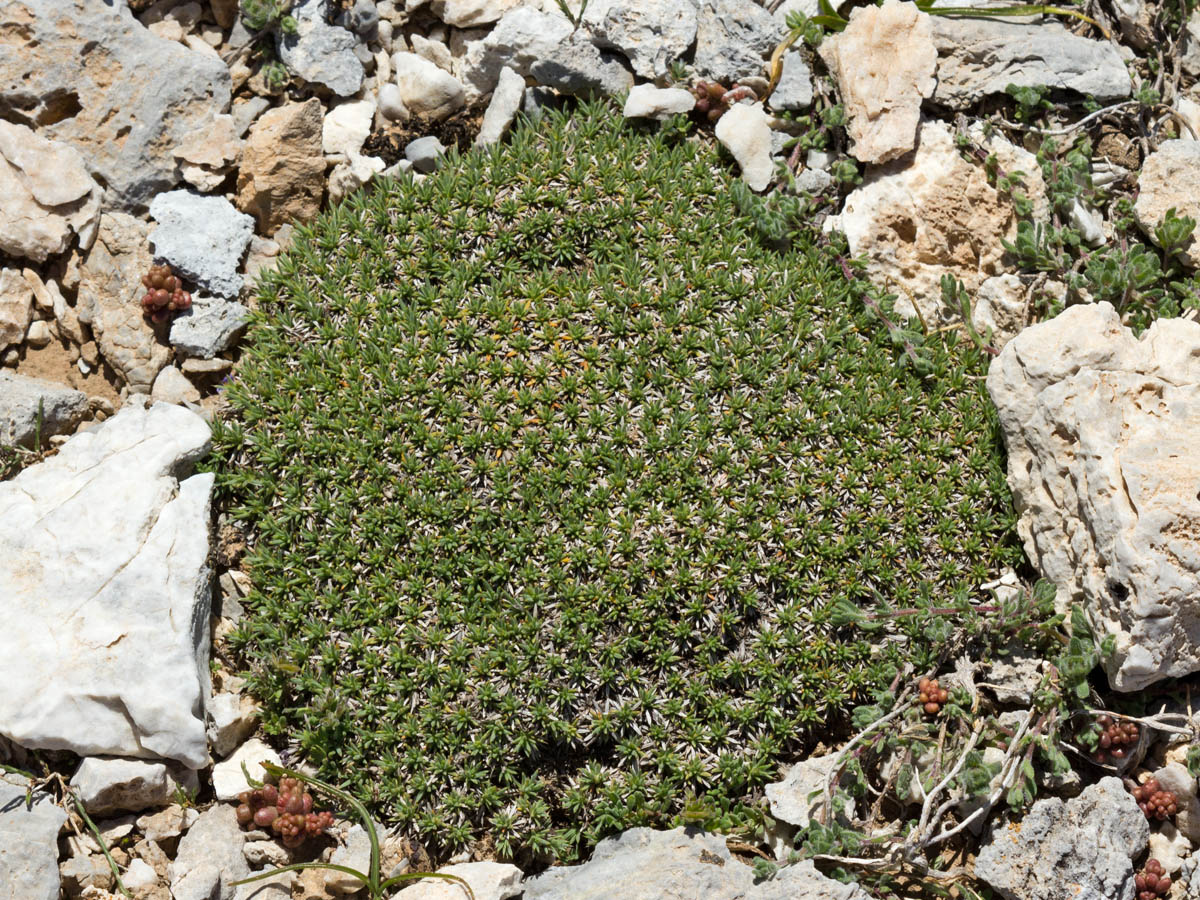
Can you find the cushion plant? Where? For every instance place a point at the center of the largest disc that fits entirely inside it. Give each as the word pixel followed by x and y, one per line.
pixel 555 477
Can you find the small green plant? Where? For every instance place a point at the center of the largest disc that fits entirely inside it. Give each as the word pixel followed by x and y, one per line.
pixel 1031 100
pixel 373 881
pixel 573 18
pixel 267 21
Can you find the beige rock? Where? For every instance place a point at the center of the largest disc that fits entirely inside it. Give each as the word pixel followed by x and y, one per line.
pixel 1170 848
pixel 16 307
pixel 745 133
pixel 1104 462
pixel 933 213
pixel 172 386
pixel 434 51
pixel 80 872
pixel 166 823
pixel 207 155
pixel 1170 178
pixel 108 300
pixel 48 196
pixel 282 174
pixel 883 63
pixel 38 334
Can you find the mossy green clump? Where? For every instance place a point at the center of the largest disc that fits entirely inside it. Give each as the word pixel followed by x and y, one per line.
pixel 556 478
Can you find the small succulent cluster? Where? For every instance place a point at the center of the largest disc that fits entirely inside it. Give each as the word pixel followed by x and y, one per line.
pixel 931 695
pixel 713 99
pixel 1116 739
pixel 164 293
pixel 1152 882
pixel 577 489
pixel 287 810
pixel 1155 802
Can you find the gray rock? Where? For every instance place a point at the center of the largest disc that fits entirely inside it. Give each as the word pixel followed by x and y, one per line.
pixel 209 327
pixel 214 842
pixel 734 39
pixel 650 33
pixel 362 19
pixel 110 286
pixel 537 101
pixel 502 109
pixel 800 795
pixel 1064 850
pixel 521 37
pixel 84 871
pixel 977 57
pixel 321 53
pixel 643 864
pixel 579 68
pixel 246 112
pixel 391 103
pixel 202 238
pixel 20 399
pixel 795 90
pixel 107 591
pixel 1014 678
pixel 232 719
pixel 28 843
pixel 107 786
pixel 813 181
pixel 425 153
pixel 78 76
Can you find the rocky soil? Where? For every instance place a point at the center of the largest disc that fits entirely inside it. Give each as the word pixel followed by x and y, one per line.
pixel 135 133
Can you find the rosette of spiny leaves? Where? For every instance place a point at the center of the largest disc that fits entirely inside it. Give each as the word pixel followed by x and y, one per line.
pixel 555 474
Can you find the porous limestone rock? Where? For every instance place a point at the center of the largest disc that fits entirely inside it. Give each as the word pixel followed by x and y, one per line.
pixel 202 238
pixel 322 53
pixel 282 174
pixel 488 881
pixel 1083 847
pixel 790 798
pixel 106 575
pixel 1103 463
pixel 28 842
pixel 108 300
pixel 502 109
pixel 206 157
pixel 209 326
pixel 112 785
pixel 521 37
pixel 883 63
pixel 645 101
pixel 16 306
pixel 1000 308
pixel 933 213
pixel 28 405
pixel 644 864
pixel 48 195
pixel 425 89
pixel 651 34
pixel 347 177
pixel 1170 179
pixel 744 131
pixel 978 57
pixel 77 71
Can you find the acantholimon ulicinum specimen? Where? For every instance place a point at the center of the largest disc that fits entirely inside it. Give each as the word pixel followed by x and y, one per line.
pixel 554 475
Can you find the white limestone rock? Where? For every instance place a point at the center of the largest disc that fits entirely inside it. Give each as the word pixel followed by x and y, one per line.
pixel 210 857
pixel 1000 308
pixel 172 386
pixel 1170 179
pixel 232 719
pixel 503 108
pixel 227 776
pixel 347 177
pixel 883 63
pixel 49 198
pixel 107 591
pixel 425 89
pixel 202 238
pixel 645 101
pixel 745 132
pixel 112 785
pixel 1103 463
pixel 932 213
pixel 790 798
pixel 346 127
pixel 521 37
pixel 488 881
pixel 28 842
pixel 471 13
pixel 651 34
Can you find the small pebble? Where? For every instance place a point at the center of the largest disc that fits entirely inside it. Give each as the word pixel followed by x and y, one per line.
pixel 425 153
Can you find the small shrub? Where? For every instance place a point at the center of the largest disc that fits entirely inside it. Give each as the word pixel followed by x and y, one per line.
pixel 561 483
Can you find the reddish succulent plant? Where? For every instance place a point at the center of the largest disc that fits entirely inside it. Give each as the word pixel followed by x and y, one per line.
pixel 714 99
pixel 287 810
pixel 931 696
pixel 164 293
pixel 1152 882
pixel 1116 741
pixel 1155 802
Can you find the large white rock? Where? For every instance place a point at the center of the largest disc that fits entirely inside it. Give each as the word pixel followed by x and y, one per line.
pixel 107 786
pixel 28 843
pixel 933 213
pixel 106 587
pixel 1103 444
pixel 649 102
pixel 521 37
pixel 425 89
pixel 650 33
pixel 745 132
pixel 488 881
